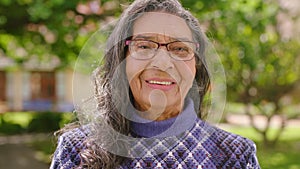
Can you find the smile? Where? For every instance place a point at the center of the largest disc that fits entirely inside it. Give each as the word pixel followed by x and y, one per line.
pixel 159 82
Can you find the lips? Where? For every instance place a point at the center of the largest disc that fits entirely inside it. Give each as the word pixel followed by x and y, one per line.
pixel 162 84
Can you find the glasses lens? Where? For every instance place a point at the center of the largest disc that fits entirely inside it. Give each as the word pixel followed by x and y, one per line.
pixel 182 50
pixel 142 49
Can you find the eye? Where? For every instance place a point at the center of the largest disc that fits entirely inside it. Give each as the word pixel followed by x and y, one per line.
pixel 180 48
pixel 144 45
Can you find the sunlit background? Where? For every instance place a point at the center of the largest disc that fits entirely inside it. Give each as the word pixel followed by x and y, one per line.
pixel 257 40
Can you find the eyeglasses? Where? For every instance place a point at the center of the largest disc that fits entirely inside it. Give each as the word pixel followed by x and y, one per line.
pixel 146 49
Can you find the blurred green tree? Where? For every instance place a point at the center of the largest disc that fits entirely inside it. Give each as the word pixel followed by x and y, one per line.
pixel 262 66
pixel 51 28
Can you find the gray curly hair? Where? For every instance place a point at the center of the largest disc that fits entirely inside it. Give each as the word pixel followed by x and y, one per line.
pixel 107 85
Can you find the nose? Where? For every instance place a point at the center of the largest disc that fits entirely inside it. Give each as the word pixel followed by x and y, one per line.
pixel 162 60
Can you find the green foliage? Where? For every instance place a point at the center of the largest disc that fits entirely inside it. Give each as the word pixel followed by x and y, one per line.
pixel 44 122
pixel 67 118
pixel 22 119
pixel 262 66
pixel 43 29
pixel 10 128
pixel 24 122
pixel 253 52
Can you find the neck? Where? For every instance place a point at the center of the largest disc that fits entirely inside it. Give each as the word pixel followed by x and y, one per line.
pixel 159 113
pixel 163 128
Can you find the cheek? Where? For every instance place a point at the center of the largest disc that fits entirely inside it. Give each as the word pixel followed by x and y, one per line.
pixel 187 70
pixel 133 70
pixel 192 67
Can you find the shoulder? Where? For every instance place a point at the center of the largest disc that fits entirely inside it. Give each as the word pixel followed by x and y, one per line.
pixel 231 140
pixel 70 144
pixel 228 149
pixel 75 136
pixel 224 138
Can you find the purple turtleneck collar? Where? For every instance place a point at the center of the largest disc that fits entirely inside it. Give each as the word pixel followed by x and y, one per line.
pixel 165 128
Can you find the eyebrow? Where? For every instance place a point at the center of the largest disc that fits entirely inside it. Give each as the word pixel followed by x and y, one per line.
pixel 143 37
pixel 150 37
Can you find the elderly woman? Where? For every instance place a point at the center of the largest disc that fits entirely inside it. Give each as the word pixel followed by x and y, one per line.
pixel 150 92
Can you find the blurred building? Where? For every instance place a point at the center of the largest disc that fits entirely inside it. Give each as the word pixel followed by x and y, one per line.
pixel 35 87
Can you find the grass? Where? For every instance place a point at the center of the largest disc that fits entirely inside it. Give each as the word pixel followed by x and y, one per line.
pixel 44 149
pixel 21 122
pixel 285 155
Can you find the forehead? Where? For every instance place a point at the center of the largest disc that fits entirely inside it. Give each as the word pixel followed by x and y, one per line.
pixel 162 24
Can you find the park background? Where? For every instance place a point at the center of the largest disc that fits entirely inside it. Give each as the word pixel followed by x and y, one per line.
pixel 258 42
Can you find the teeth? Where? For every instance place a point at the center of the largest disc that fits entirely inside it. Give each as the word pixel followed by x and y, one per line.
pixel 160 83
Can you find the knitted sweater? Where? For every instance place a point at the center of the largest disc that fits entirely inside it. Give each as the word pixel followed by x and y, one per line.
pixel 199 145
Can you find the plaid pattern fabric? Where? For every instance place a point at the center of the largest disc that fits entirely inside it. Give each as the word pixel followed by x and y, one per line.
pixel 204 146
pixel 67 153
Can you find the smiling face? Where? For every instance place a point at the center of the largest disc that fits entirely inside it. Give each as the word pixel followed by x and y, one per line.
pixel 160 84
